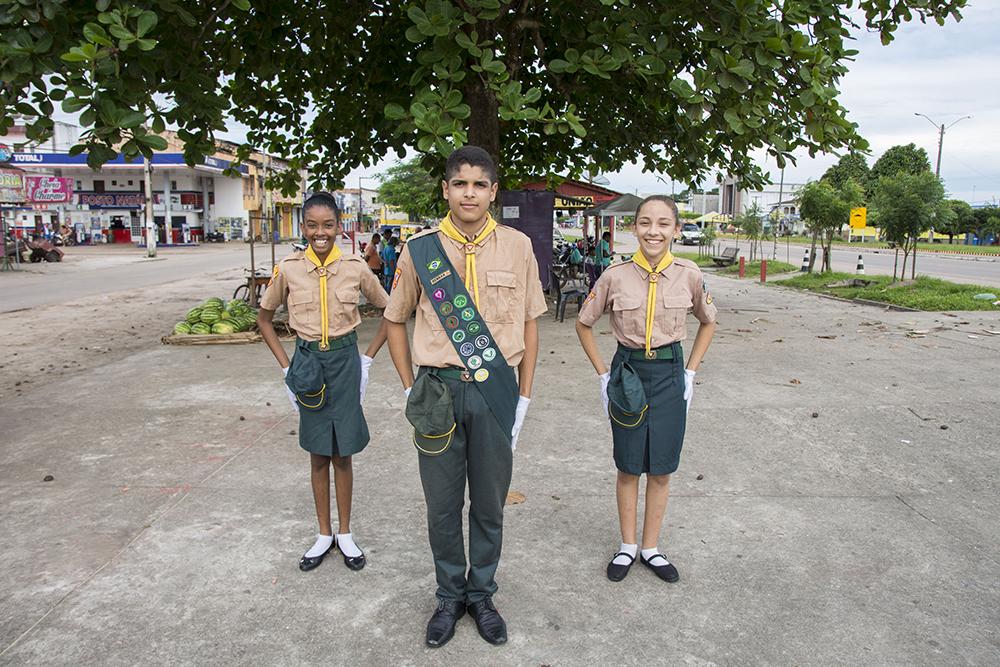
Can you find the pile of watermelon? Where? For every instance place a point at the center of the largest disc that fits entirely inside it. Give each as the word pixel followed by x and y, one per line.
pixel 215 316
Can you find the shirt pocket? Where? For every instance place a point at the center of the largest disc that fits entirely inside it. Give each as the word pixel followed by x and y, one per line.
pixel 348 298
pixel 303 308
pixel 674 316
pixel 628 317
pixel 502 301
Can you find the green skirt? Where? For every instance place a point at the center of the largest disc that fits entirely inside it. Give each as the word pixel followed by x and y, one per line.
pixel 338 426
pixel 654 444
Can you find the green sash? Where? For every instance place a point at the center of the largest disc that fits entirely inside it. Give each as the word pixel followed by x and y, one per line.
pixel 465 327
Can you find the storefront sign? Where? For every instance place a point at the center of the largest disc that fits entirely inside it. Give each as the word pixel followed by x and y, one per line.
pixel 581 201
pixel 48 189
pixel 11 187
pixel 112 199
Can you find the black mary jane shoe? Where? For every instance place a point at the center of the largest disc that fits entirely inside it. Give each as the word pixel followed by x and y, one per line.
pixel 441 627
pixel 617 572
pixel 353 562
pixel 489 622
pixel 307 563
pixel 667 572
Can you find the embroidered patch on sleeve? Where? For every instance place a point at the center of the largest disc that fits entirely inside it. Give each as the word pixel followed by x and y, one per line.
pixel 591 296
pixel 274 275
pixel 395 278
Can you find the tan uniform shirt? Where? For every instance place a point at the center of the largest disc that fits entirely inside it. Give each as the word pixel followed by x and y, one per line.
pixel 509 290
pixel 623 289
pixel 297 286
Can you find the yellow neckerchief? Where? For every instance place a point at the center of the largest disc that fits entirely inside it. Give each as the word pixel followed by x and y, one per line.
pixel 323 307
pixel 449 229
pixel 641 260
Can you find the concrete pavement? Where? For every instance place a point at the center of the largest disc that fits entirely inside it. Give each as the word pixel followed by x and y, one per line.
pixel 867 533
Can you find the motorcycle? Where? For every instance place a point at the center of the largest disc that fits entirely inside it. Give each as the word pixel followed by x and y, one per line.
pixel 43 250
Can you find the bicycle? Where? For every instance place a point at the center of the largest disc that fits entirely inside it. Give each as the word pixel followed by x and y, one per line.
pixel 256 281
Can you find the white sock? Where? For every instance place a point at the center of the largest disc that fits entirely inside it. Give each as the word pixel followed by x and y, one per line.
pixel 347 546
pixel 630 549
pixel 656 562
pixel 323 543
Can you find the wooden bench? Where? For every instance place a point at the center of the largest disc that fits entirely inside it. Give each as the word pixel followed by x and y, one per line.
pixel 728 256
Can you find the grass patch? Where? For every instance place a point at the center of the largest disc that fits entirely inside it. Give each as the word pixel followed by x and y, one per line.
pixel 931 294
pixel 753 268
pixel 922 246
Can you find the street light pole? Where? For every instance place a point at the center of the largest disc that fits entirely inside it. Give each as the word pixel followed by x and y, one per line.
pixel 941 130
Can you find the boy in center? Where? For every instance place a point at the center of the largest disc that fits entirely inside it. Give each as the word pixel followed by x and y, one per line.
pixel 475 287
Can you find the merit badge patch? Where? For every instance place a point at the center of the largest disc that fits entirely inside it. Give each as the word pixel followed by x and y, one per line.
pixel 434 264
pixel 468 314
pixel 451 322
pixel 439 294
pixel 458 336
pixel 474 328
pixel 489 354
pixel 482 342
pixel 439 277
pixel 482 375
pixel 460 301
pixel 447 308
pixel 474 362
pixel 395 277
pixel 467 349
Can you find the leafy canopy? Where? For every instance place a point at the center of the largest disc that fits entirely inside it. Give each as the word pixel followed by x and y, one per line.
pixel 908 204
pixel 680 86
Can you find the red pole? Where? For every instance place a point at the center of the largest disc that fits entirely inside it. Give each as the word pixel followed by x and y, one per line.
pixel 763 270
pixel 743 268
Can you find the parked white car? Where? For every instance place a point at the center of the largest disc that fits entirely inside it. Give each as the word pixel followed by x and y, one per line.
pixel 690 234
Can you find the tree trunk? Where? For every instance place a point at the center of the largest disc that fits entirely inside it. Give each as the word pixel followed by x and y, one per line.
pixel 906 255
pixel 812 253
pixel 484 120
pixel 895 265
pixel 913 262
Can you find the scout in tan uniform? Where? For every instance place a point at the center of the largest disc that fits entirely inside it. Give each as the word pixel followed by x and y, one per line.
pixel 648 390
pixel 326 378
pixel 475 287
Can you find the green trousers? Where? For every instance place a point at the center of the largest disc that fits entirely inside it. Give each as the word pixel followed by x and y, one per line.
pixel 480 452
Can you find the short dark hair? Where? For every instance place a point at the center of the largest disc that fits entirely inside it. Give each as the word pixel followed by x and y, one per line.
pixel 671 204
pixel 376 238
pixel 322 199
pixel 474 156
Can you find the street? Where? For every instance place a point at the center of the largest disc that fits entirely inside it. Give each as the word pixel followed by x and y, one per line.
pixel 836 501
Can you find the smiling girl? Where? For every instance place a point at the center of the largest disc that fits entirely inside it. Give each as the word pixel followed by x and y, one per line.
pixel 327 378
pixel 648 390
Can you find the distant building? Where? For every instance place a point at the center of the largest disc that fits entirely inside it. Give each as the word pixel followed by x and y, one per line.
pixel 108 204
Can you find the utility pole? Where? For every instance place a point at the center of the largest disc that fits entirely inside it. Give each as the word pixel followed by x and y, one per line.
pixel 941 129
pixel 147 177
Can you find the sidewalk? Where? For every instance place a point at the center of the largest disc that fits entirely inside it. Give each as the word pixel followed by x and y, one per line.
pixel 822 512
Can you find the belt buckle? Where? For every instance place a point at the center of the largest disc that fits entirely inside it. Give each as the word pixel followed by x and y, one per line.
pixel 323 347
pixel 651 354
pixel 465 376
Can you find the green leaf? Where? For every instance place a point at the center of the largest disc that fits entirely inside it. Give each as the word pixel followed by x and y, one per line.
pixel 147 20
pixel 158 125
pixel 93 32
pixel 146 44
pixel 132 119
pixel 558 66
pixel 74 56
pixel 243 5
pixel 463 40
pixel 102 5
pixel 74 104
pixel 425 143
pixel 394 111
pixel 155 142
pixel 744 68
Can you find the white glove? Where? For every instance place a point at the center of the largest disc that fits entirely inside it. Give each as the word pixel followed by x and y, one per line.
pixel 522 409
pixel 604 390
pixel 408 390
pixel 289 392
pixel 366 363
pixel 688 387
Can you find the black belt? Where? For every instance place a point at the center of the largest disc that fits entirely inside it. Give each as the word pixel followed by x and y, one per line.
pixel 333 343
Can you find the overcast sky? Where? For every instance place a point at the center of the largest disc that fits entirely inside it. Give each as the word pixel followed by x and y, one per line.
pixel 944 72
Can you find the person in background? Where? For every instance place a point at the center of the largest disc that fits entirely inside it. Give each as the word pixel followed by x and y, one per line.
pixel 373 257
pixel 389 262
pixel 603 253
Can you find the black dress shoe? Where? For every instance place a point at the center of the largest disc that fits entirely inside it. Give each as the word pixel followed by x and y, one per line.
pixel 307 563
pixel 665 570
pixel 491 625
pixel 617 572
pixel 441 627
pixel 353 562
